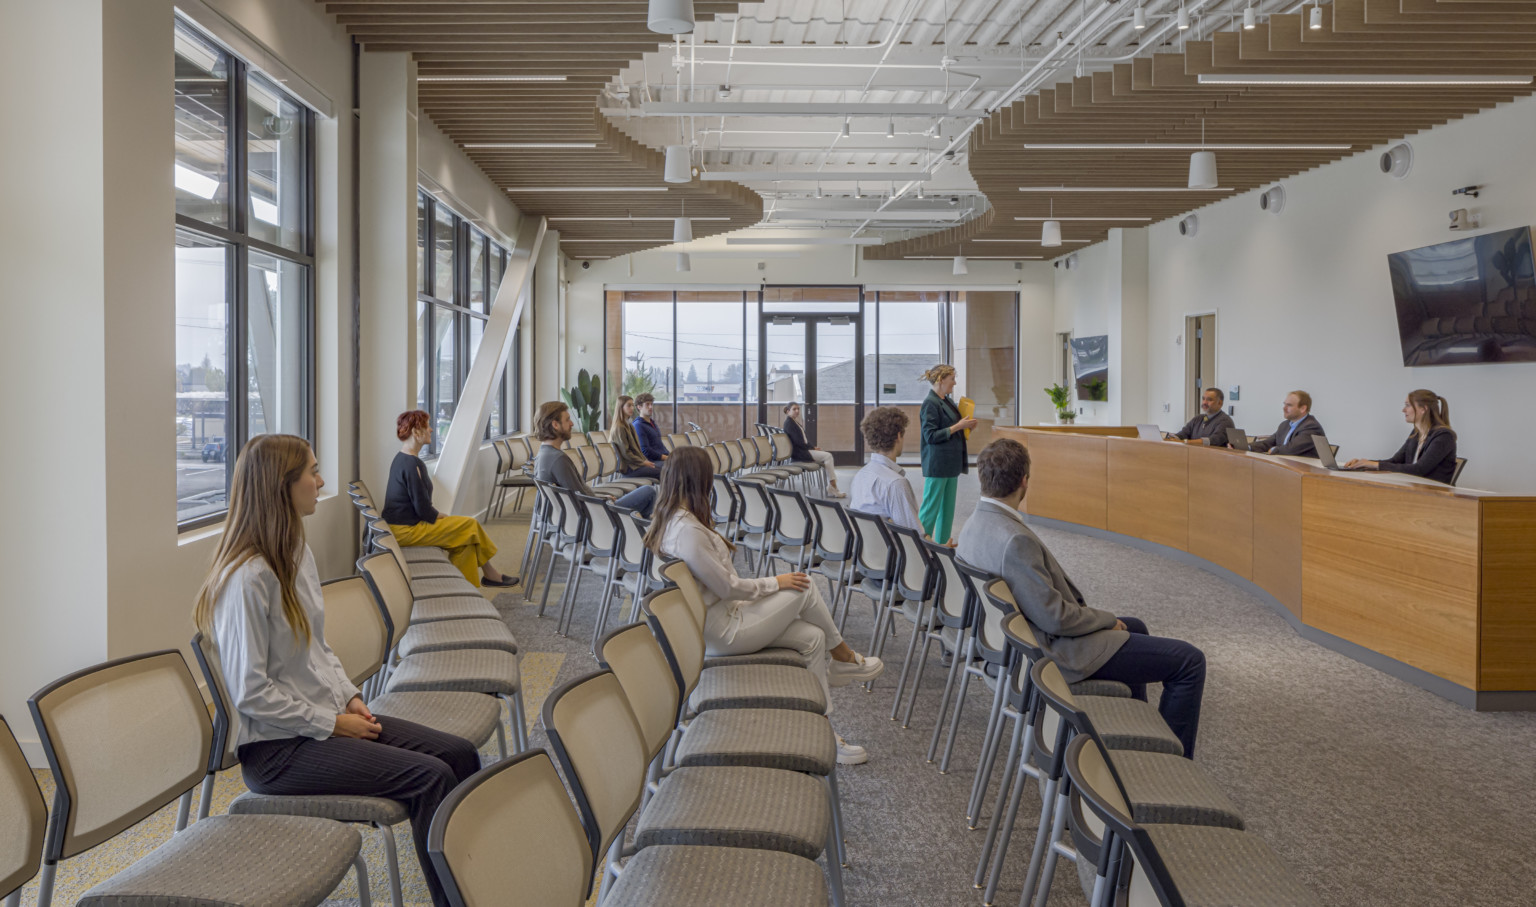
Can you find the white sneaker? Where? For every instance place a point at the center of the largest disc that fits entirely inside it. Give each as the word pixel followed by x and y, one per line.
pixel 862 668
pixel 850 753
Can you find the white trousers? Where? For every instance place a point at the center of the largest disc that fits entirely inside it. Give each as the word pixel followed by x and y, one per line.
pixel 825 460
pixel 789 619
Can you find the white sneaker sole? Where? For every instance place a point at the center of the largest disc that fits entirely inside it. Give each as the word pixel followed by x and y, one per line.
pixel 846 677
pixel 852 758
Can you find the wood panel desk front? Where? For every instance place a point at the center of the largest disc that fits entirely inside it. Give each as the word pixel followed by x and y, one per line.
pixel 1441 580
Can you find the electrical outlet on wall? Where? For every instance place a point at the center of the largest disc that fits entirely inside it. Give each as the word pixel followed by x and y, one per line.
pixel 1167 407
pixel 1232 410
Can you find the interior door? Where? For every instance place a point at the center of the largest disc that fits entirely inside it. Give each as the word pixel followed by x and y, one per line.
pixel 813 360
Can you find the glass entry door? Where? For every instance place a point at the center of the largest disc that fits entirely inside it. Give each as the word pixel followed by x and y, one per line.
pixel 814 360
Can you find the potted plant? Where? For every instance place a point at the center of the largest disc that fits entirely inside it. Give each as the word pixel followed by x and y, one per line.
pixel 584 400
pixel 1061 397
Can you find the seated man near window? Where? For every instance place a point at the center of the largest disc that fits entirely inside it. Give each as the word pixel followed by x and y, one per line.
pixel 552 425
pixel 645 428
pixel 881 487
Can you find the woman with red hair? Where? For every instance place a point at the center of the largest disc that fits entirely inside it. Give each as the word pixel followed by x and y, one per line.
pixel 409 512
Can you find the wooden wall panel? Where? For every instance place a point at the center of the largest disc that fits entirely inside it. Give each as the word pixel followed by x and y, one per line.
pixel 1221 509
pixel 1507 632
pixel 1068 476
pixel 1394 571
pixel 1149 490
pixel 1277 533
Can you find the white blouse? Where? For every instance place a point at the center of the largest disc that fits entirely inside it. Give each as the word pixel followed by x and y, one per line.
pixel 279 688
pixel 709 560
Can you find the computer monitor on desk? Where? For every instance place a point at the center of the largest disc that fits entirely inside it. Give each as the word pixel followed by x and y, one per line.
pixel 1149 433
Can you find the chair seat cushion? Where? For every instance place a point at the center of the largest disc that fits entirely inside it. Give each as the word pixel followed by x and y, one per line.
pixel 761 808
pixel 442 587
pixel 1093 686
pixel 670 876
pixel 241 861
pixel 1172 790
pixel 761 657
pixel 336 807
pixel 457 671
pixel 1130 724
pixel 434 569
pixel 472 716
pixel 424 554
pixel 454 607
pixel 515 481
pixel 1222 866
pixel 766 738
pixel 759 687
pixel 444 635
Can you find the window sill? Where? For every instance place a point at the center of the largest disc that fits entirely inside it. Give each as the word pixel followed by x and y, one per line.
pixel 195 534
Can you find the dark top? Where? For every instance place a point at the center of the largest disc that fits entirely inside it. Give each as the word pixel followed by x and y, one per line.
pixel 551 465
pixel 943 451
pixel 800 451
pixel 408 500
pixel 1300 444
pixel 624 439
pixel 1436 459
pixel 1211 429
pixel 650 439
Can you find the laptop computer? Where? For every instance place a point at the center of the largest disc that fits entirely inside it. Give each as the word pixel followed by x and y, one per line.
pixel 1325 455
pixel 1237 438
pixel 1149 433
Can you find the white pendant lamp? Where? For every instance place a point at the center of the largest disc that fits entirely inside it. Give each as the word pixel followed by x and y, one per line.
pixel 1183 18
pixel 679 168
pixel 684 263
pixel 1139 19
pixel 1317 17
pixel 670 17
pixel 682 229
pixel 1250 19
pixel 1050 230
pixel 1202 166
pixel 846 131
pixel 960 266
pixel 890 130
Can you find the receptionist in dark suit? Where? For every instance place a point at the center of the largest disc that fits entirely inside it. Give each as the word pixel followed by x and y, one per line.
pixel 1294 437
pixel 1430 451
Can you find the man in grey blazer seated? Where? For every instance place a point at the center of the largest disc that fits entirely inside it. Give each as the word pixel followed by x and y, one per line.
pixel 1296 435
pixel 1084 642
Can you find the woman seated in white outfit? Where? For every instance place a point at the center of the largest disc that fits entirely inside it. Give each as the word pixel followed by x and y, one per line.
pixel 748 615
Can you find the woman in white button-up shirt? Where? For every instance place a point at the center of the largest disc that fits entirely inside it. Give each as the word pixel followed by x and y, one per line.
pixel 747 615
pixel 302 727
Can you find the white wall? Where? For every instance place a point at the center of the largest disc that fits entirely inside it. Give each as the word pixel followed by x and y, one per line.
pixel 1105 292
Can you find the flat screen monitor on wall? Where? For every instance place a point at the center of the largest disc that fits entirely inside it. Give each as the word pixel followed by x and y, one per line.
pixel 1090 367
pixel 1468 301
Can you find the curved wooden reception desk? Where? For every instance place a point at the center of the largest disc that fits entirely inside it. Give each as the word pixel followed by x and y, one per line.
pixel 1433 584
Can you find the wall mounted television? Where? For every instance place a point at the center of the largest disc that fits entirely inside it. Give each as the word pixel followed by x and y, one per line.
pixel 1467 301
pixel 1090 367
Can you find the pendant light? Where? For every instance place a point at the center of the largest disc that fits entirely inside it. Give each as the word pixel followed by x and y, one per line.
pixel 678 168
pixel 846 131
pixel 1183 18
pixel 1250 19
pixel 1202 166
pixel 1050 230
pixel 890 130
pixel 682 229
pixel 1317 17
pixel 683 262
pixel 1139 18
pixel 960 266
pixel 670 17
pixel 818 190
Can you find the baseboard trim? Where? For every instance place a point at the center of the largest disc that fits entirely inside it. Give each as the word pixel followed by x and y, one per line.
pixel 1502 701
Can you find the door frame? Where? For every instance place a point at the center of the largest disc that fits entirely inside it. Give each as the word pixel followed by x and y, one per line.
pixel 811 322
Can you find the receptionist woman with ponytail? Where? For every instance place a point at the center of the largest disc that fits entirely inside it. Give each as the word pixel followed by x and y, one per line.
pixel 1430 451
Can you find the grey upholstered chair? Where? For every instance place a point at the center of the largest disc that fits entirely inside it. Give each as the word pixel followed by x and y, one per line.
pixel 446 597
pixel 21 835
pixel 130 736
pixel 678 576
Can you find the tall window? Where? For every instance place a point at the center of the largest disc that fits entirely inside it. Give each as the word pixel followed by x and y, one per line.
pixel 459 271
pixel 244 177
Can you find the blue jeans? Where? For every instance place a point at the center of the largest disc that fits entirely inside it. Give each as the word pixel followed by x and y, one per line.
pixel 1177 665
pixel 641 499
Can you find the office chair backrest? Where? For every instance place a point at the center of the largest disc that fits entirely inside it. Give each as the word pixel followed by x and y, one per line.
pixel 949 586
pixel 384 540
pixel 794 526
pixel 1095 794
pixel 1461 463
pixel 636 658
pixel 782 449
pixel 392 593
pixel 764 446
pixel 675 571
pixel 26 817
pixel 123 739
pixel 671 620
pixel 598 437
pixel 511 828
pixel 355 628
pixel 607 459
pixel 363 495
pixel 913 577
pixel 633 555
pixel 874 544
pixel 834 532
pixel 222 753
pixel 991 644
pixel 603 532
pixel 723 503
pixel 756 507
pixel 579 439
pixel 517 451
pixel 601 752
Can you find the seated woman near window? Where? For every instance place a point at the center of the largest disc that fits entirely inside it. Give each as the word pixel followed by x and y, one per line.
pixel 302 727
pixel 409 512
pixel 632 461
pixel 748 615
pixel 801 450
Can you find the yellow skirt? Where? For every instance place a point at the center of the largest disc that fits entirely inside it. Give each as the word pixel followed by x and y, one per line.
pixel 469 548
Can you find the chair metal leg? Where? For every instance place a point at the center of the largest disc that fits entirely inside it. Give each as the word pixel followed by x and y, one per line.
pixel 909 663
pixel 917 679
pixel 988 752
pixel 205 797
pixel 549 577
pixel 956 664
pixel 1042 887
pixel 954 725
pixel 183 809
pixel 45 884
pixel 883 618
pixel 567 599
pixel 501 740
pixel 1005 832
pixel 13 899
pixel 609 873
pixel 530 549
pixel 1042 839
pixel 836 800
pixel 519 721
pixel 1004 788
pixel 363 898
pixel 391 864
pixel 834 871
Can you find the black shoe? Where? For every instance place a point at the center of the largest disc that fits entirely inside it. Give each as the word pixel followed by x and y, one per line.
pixel 506 582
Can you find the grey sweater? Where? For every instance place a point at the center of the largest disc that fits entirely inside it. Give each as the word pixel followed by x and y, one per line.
pixel 1211 429
pixel 551 465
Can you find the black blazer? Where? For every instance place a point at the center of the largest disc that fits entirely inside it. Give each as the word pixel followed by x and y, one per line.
pixel 1435 460
pixel 942 453
pixel 800 451
pixel 1301 443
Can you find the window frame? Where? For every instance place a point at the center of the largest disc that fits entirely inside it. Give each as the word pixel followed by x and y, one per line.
pixel 240 244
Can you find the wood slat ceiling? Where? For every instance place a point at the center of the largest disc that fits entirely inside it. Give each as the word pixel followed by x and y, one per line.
pixel 588 43
pixel 1158 99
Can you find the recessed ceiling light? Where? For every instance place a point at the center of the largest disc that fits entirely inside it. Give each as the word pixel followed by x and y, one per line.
pixel 490 78
pixel 1369 79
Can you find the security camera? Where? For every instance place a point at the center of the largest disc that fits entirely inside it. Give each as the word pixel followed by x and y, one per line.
pixel 586 266
pixel 1397 160
pixel 954 199
pixel 1462 219
pixel 1466 190
pixel 1189 225
pixel 1272 200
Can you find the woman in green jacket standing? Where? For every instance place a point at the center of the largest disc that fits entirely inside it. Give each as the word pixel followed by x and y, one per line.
pixel 943 453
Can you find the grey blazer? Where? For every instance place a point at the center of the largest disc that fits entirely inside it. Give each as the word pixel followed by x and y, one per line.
pixel 1078 638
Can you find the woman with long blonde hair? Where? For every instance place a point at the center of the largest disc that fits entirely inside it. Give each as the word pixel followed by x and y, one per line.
pixel 748 615
pixel 302 728
pixel 1430 451
pixel 632 460
pixel 942 451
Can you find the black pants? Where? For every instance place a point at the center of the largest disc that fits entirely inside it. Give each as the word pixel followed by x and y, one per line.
pixel 408 762
pixel 1177 665
pixel 644 472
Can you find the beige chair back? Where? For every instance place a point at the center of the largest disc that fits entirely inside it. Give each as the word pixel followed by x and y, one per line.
pixel 207 653
pixel 1050 724
pixel 635 657
pixel 363 495
pixel 21 803
pixel 385 539
pixel 764 445
pixel 678 574
pixel 392 592
pixel 1099 778
pixel 602 750
pixel 354 627
pixel 781 446
pixel 578 439
pixel 123 738
pixel 675 617
pixel 509 835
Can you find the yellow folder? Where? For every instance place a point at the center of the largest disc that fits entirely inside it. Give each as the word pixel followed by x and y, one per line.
pixel 967 410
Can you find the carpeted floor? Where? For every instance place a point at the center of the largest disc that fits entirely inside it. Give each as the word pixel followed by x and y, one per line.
pixel 1374 791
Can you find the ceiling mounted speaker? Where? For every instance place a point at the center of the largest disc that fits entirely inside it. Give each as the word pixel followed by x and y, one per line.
pixel 1050 233
pixel 1273 200
pixel 682 229
pixel 678 168
pixel 1202 170
pixel 670 17
pixel 1397 160
pixel 684 263
pixel 1189 226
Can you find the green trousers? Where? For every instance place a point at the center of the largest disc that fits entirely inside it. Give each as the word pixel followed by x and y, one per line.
pixel 938 511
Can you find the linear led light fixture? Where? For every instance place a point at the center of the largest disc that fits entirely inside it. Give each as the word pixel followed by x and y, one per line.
pixel 517 189
pixel 667 240
pixel 800 109
pixel 1182 146
pixel 1368 79
pixel 1120 189
pixel 1143 220
pixel 1032 241
pixel 621 220
pixel 518 145
pixel 508 78
pixel 976 257
pixel 862 214
pixel 867 173
pixel 804 241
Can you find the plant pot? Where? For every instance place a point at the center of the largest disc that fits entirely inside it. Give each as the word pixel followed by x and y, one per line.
pixel 1065 417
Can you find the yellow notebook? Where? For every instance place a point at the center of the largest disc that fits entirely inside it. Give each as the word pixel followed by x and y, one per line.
pixel 967 410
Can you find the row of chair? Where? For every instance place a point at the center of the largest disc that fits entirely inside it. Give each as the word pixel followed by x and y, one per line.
pixel 730 764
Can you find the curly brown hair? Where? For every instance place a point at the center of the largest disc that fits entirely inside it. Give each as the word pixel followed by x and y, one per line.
pixel 883 426
pixel 410 421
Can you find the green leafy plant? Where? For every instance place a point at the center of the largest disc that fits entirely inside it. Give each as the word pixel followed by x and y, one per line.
pixel 1098 389
pixel 1060 396
pixel 585 400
